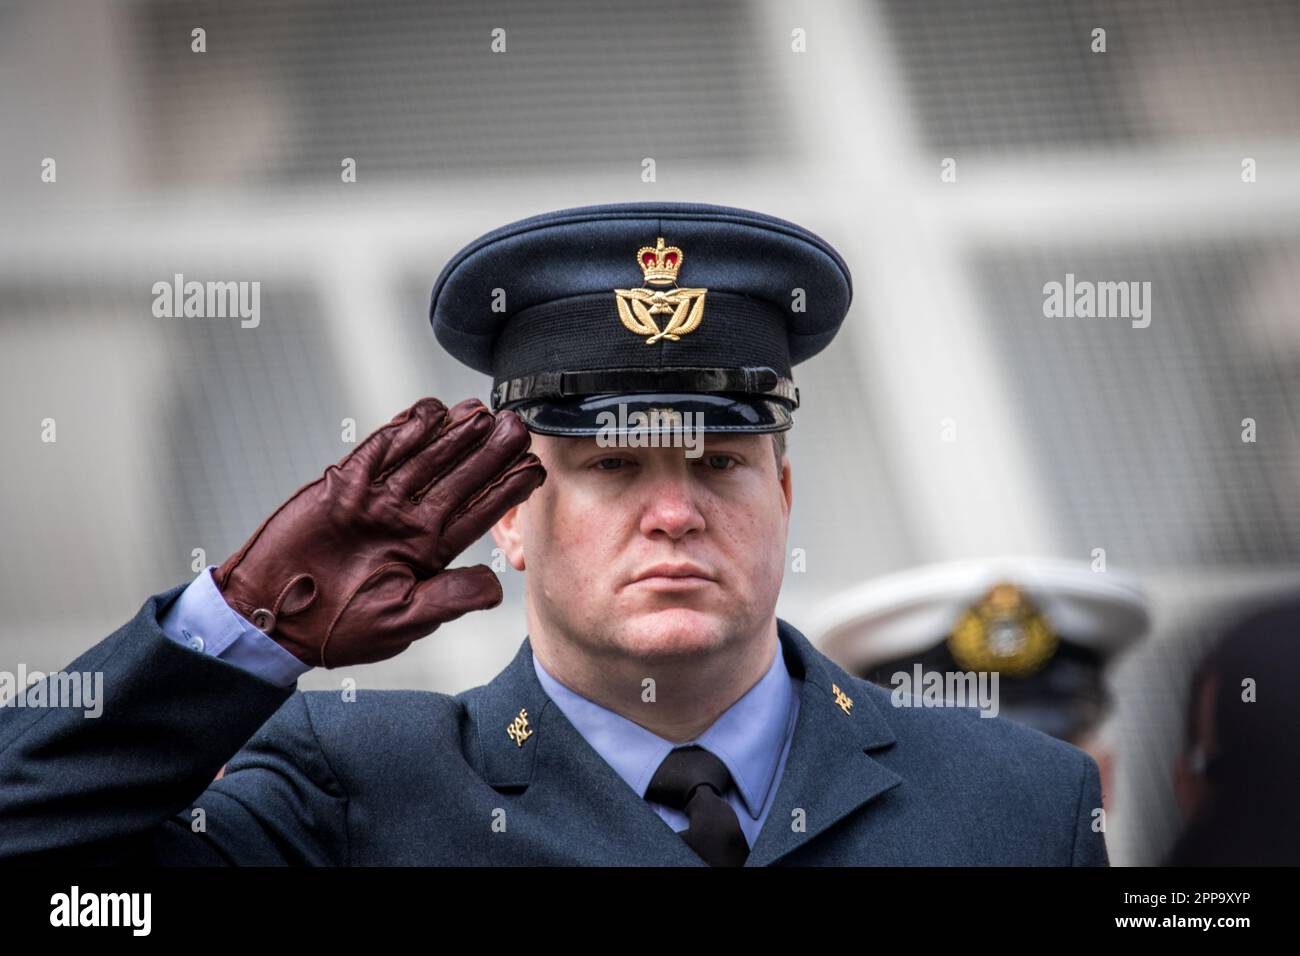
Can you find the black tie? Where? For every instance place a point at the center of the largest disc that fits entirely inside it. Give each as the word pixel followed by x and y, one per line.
pixel 694 780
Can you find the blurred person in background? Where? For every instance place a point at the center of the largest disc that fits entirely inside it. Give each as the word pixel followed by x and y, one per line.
pixel 1050 628
pixel 1237 777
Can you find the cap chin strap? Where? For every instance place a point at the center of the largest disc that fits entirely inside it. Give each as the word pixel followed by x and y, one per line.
pixel 762 381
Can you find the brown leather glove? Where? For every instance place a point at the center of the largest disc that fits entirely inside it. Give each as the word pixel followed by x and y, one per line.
pixel 350 570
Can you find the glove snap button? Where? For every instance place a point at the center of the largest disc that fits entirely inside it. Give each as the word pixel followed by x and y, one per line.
pixel 264 620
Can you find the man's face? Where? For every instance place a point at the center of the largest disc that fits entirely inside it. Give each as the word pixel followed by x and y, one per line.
pixel 591 536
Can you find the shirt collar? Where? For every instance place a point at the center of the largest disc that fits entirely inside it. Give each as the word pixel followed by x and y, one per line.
pixel 748 737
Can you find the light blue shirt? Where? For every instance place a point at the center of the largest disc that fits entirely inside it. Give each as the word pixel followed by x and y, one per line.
pixel 202 620
pixel 752 737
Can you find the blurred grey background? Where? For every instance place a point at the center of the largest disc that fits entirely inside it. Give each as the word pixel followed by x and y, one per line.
pixel 180 434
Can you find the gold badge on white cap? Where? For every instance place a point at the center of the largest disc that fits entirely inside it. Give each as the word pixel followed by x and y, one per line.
pixel 1003 632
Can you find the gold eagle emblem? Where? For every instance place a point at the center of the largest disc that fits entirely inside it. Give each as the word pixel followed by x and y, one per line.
pixel 638 307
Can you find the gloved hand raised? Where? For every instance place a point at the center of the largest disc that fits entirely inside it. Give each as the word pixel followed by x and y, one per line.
pixel 350 569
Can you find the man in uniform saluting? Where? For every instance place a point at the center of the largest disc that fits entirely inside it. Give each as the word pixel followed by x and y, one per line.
pixel 657 713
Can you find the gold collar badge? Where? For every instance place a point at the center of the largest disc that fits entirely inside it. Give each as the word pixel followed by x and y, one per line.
pixel 843 700
pixel 518 729
pixel 1004 632
pixel 638 307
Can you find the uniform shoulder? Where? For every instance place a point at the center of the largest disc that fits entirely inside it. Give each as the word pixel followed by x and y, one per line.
pixel 1022 796
pixel 964 737
pixel 362 714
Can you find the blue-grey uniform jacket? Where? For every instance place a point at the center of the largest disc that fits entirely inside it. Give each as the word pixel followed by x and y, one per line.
pixel 421 778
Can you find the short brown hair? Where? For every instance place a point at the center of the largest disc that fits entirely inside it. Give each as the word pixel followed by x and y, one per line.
pixel 778 448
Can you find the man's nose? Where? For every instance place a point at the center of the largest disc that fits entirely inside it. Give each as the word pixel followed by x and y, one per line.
pixel 672 507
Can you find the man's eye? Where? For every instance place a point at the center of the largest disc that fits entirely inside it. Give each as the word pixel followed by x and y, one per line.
pixel 717 462
pixel 726 460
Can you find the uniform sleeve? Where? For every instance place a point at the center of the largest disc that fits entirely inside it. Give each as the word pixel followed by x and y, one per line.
pixel 133 780
pixel 201 620
pixel 1089 838
pixel 276 803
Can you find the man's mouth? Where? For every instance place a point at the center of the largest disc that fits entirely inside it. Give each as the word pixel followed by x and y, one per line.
pixel 674 577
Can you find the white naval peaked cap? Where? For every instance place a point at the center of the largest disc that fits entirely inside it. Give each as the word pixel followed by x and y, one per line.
pixel 905 613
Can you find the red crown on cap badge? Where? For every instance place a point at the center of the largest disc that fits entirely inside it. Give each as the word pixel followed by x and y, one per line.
pixel 660 263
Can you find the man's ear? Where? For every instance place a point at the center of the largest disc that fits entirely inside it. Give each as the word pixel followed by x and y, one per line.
pixel 508 533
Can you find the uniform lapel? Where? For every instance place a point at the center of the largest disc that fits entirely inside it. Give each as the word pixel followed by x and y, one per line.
pixel 554 758
pixel 828 772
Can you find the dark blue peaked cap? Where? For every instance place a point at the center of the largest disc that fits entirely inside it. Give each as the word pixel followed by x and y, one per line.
pixel 576 311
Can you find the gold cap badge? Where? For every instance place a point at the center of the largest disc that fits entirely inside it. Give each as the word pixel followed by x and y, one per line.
pixel 638 307
pixel 1004 632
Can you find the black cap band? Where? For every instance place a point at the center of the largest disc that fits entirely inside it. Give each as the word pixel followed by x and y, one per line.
pixel 655 412
pixel 762 382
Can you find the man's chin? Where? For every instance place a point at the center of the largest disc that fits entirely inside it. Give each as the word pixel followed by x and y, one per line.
pixel 674 631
